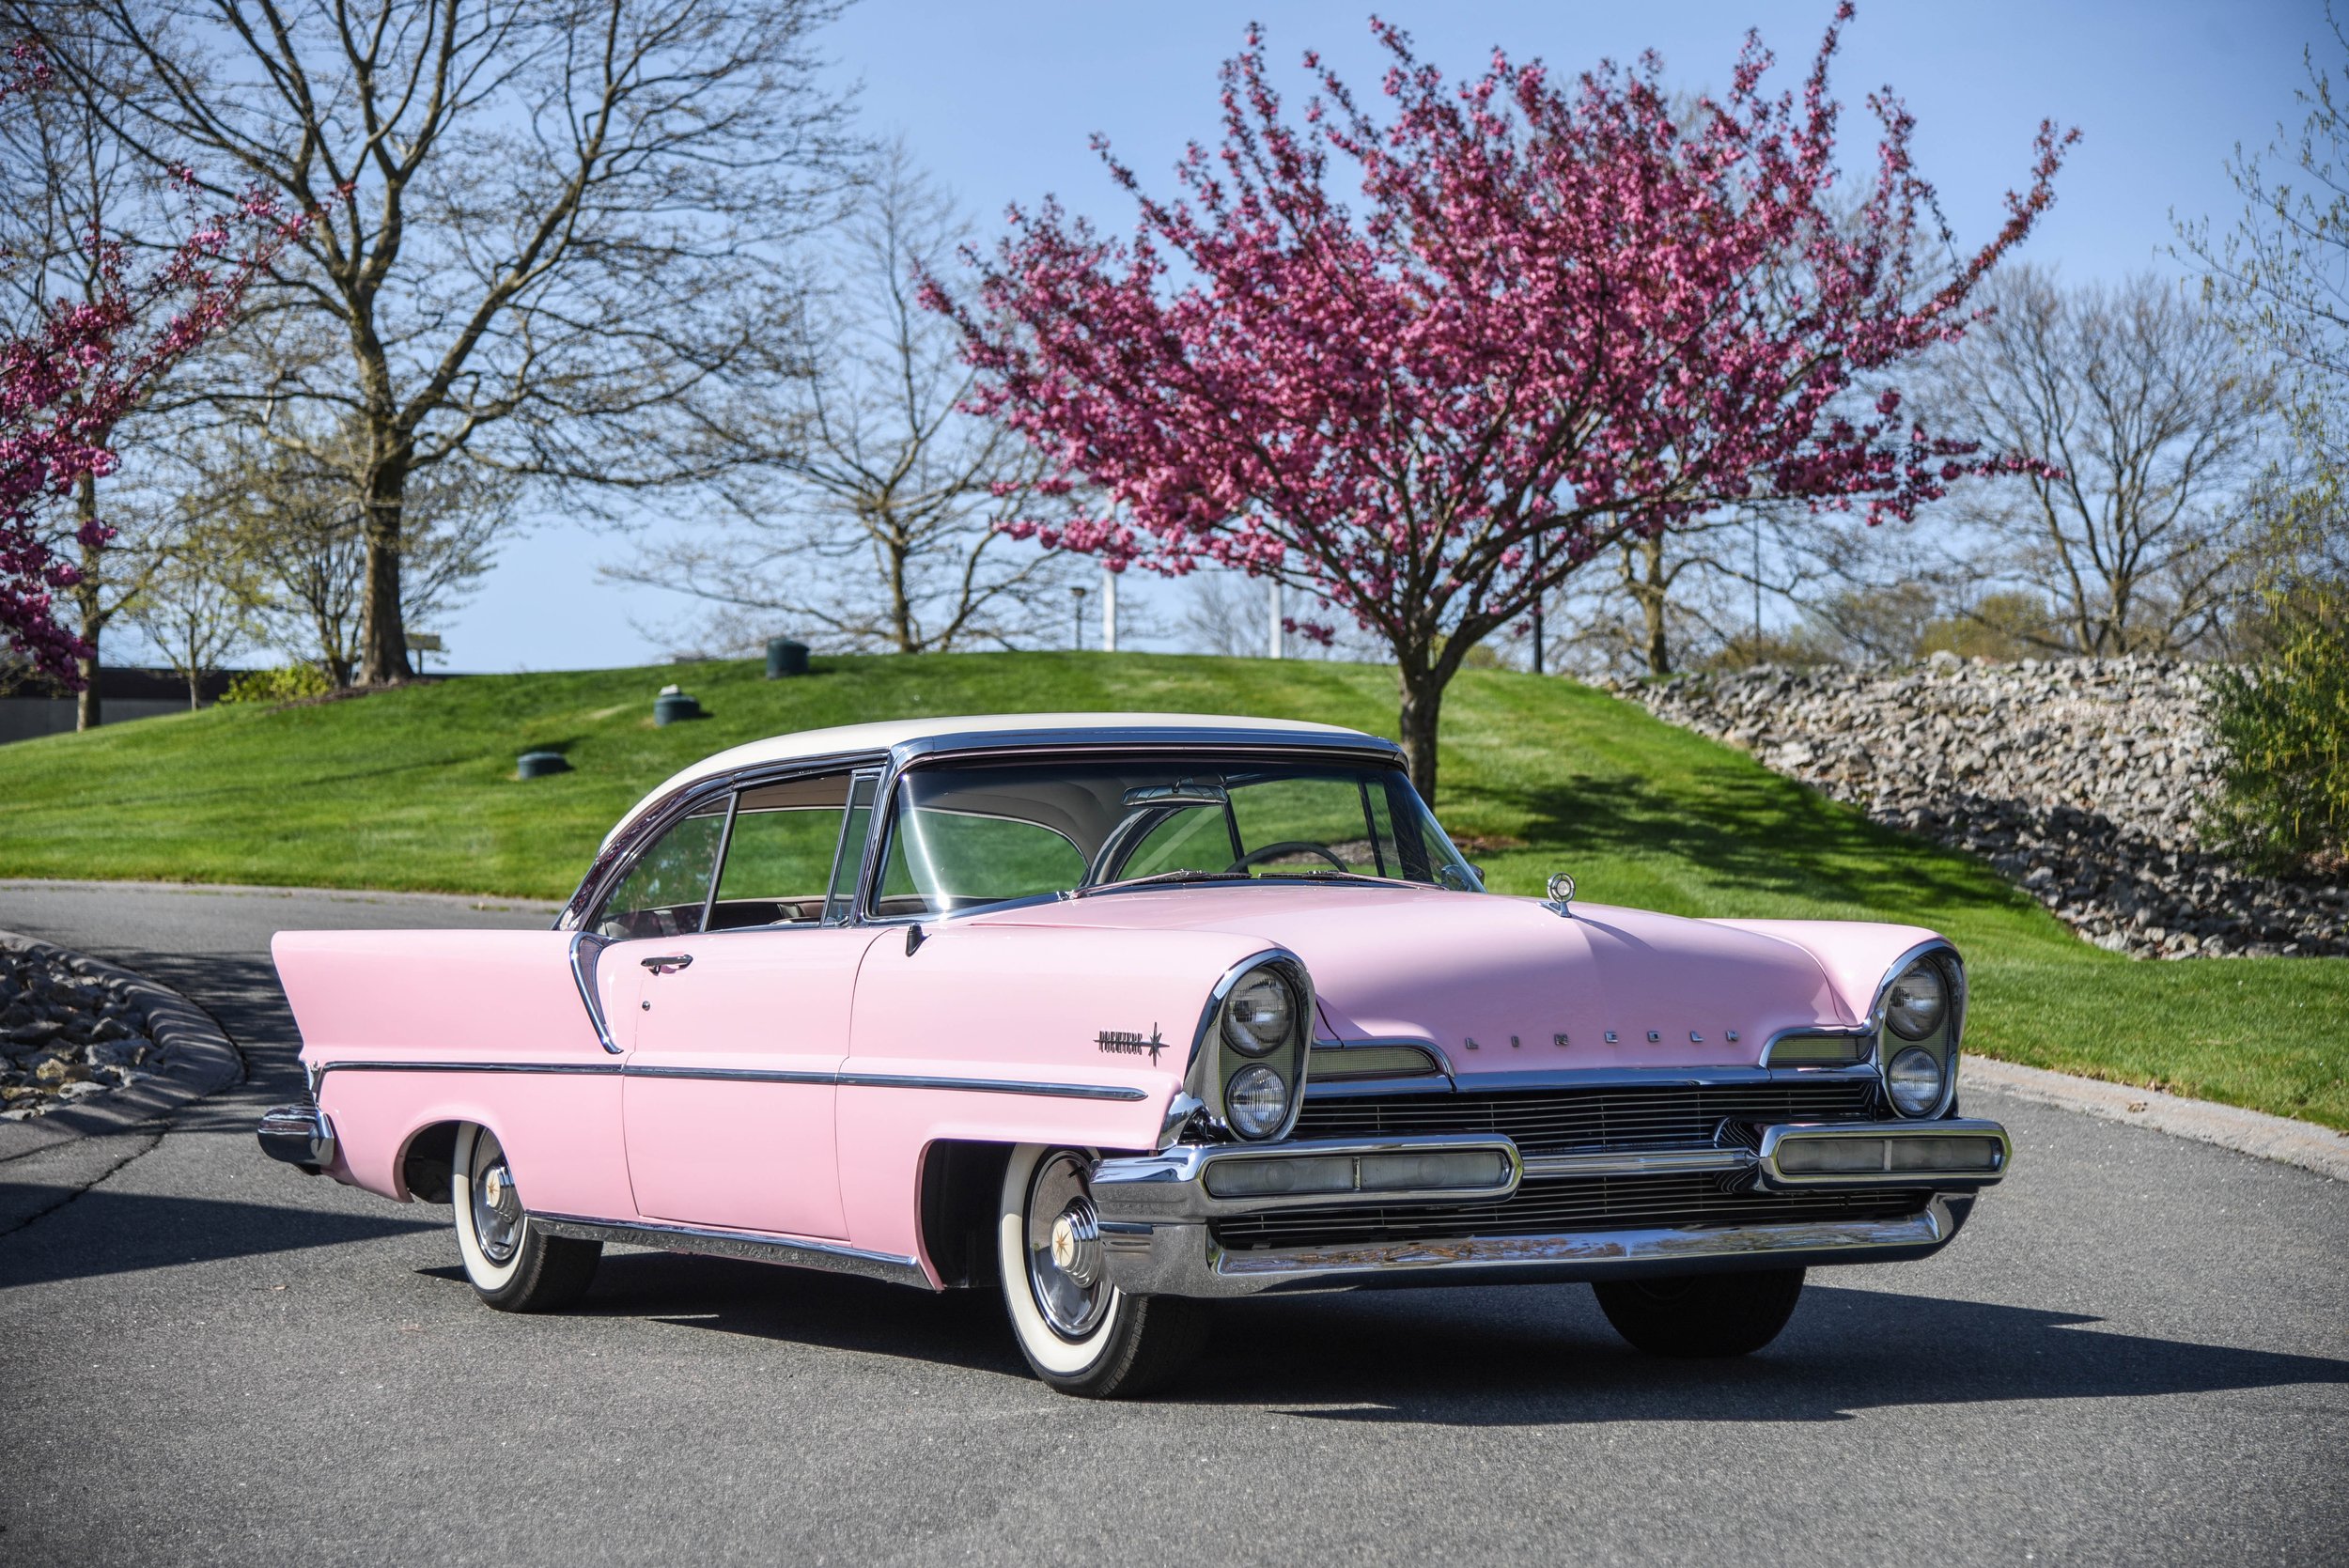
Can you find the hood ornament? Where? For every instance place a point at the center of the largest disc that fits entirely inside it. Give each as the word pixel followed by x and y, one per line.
pixel 1561 900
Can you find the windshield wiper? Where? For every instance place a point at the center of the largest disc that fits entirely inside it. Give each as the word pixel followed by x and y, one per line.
pixel 1163 878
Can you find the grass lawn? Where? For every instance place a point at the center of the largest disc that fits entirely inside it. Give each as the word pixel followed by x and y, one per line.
pixel 414 788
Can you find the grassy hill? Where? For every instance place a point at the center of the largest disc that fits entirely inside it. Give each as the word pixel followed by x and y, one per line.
pixel 414 788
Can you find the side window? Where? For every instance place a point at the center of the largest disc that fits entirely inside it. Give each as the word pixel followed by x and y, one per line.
pixel 941 860
pixel 841 907
pixel 664 891
pixel 779 856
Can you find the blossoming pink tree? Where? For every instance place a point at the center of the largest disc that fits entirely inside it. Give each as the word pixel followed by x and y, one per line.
pixel 69 378
pixel 1561 315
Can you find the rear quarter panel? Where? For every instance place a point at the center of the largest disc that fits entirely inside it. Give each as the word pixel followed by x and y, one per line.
pixel 464 998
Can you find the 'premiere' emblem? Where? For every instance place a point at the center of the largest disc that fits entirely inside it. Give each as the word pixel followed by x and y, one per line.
pixel 1124 1042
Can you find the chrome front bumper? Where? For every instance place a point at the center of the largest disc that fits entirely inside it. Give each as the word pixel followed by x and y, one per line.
pixel 300 1135
pixel 1155 1212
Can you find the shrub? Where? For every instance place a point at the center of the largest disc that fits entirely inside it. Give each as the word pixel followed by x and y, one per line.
pixel 284 685
pixel 2283 724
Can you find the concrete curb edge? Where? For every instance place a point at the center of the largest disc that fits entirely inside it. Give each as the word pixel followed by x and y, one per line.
pixel 2251 1132
pixel 202 1061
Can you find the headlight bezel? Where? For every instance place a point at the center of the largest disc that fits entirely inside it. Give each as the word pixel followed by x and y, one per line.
pixel 1939 1041
pixel 1216 1061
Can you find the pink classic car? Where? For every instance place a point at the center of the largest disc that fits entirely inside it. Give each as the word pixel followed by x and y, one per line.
pixel 1126 1014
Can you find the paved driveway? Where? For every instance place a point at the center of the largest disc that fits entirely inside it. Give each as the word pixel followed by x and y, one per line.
pixel 2138 1353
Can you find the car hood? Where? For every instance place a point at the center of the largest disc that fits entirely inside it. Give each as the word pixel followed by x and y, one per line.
pixel 1507 984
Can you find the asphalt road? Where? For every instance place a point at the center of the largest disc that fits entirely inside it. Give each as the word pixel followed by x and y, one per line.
pixel 2138 1353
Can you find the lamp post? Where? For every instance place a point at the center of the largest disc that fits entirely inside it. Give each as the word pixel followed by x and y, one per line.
pixel 1278 643
pixel 1077 642
pixel 1109 610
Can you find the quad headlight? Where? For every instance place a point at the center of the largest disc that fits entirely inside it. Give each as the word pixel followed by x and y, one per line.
pixel 1257 1101
pixel 1258 1014
pixel 1914 1080
pixel 1248 1068
pixel 1917 1000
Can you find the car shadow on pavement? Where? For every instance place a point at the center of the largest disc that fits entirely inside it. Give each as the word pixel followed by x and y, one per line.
pixel 144 1231
pixel 1845 1351
pixel 1519 1355
pixel 962 1327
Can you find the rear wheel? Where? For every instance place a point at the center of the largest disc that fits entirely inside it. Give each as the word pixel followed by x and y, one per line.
pixel 513 1264
pixel 1701 1315
pixel 1080 1333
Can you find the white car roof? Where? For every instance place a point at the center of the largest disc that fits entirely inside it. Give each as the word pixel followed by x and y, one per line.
pixel 882 735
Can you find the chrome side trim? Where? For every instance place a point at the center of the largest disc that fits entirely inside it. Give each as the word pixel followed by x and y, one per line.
pixel 1171 1184
pixel 1183 1260
pixel 834 1257
pixel 320 1070
pixel 743 1074
pixel 759 1074
pixel 994 1086
pixel 583 958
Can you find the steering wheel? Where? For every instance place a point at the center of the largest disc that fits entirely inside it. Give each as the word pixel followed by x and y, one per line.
pixel 1264 852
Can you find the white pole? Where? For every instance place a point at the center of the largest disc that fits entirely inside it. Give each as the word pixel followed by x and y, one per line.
pixel 1109 610
pixel 1278 644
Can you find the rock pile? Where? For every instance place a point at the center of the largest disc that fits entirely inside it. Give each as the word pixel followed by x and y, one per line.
pixel 2080 778
pixel 65 1035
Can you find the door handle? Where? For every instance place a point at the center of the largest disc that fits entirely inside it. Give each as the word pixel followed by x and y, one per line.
pixel 666 962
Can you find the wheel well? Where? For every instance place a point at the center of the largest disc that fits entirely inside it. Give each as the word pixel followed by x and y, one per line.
pixel 961 1183
pixel 427 1165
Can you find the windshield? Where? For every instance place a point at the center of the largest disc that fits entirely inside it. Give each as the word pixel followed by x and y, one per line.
pixel 967 834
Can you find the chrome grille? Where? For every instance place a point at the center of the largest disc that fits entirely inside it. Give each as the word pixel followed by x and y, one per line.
pixel 1590 1119
pixel 1586 1203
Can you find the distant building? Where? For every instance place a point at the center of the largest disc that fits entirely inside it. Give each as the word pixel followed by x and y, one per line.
pixel 123 693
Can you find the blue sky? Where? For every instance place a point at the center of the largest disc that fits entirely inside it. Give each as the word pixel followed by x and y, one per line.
pixel 998 98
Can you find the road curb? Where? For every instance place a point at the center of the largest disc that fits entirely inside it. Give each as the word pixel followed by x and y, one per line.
pixel 2251 1132
pixel 201 1061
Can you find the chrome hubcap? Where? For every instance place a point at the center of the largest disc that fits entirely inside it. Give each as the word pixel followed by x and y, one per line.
pixel 497 1208
pixel 1064 1248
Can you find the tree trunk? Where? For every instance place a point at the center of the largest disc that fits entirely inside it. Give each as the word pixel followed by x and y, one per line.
pixel 87 706
pixel 383 651
pixel 196 688
pixel 1423 705
pixel 1652 593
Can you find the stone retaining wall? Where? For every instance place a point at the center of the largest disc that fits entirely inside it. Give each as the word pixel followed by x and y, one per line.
pixel 2080 778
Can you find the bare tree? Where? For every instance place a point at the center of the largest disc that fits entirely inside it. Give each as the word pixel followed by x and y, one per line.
pixel 290 511
pixel 879 531
pixel 195 606
pixel 2158 425
pixel 543 230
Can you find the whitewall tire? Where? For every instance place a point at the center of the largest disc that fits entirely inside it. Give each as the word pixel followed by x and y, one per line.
pixel 513 1266
pixel 1080 1333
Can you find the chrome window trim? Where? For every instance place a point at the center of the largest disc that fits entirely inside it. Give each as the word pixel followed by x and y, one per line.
pixel 1125 1093
pixel 612 864
pixel 794 1251
pixel 582 960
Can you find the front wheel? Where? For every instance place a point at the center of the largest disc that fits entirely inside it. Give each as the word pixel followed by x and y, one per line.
pixel 1080 1333
pixel 1702 1315
pixel 514 1265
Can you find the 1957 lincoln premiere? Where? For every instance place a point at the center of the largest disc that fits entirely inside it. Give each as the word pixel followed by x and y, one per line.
pixel 1128 1013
